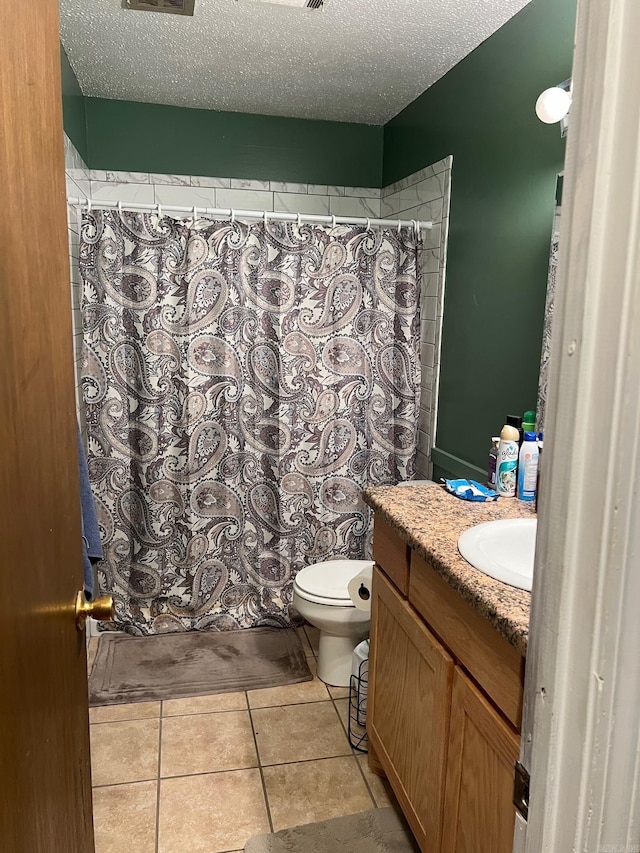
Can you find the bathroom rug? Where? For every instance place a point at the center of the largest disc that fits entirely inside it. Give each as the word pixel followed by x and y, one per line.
pixel 194 663
pixel 374 831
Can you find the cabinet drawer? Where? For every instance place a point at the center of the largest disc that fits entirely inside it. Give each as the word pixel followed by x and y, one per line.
pixel 391 554
pixel 492 661
pixel 408 709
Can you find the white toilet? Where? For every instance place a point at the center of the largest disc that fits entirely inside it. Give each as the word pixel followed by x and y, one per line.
pixel 321 597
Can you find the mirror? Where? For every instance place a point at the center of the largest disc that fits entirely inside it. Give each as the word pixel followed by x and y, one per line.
pixel 548 309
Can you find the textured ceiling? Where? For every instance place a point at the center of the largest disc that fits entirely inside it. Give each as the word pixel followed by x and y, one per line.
pixel 355 60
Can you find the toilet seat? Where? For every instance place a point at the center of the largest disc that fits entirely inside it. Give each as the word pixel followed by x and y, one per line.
pixel 326 583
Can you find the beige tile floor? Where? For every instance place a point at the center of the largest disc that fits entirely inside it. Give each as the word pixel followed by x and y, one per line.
pixel 203 775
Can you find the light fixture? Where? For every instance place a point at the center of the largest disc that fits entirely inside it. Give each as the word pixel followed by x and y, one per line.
pixel 174 7
pixel 553 105
pixel 300 4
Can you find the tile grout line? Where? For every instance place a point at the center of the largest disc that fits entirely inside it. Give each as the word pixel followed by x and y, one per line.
pixel 208 713
pixel 309 760
pixel 119 784
pixel 366 784
pixel 164 716
pixel 258 766
pixel 345 729
pixel 364 778
pixel 158 781
pixel 264 784
pixel 353 752
pixel 313 651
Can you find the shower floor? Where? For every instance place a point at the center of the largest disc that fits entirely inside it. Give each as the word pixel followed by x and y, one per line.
pixel 203 775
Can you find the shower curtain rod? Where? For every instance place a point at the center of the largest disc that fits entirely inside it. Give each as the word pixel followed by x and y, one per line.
pixel 230 213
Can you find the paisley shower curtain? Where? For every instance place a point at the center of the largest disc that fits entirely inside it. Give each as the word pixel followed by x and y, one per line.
pixel 242 384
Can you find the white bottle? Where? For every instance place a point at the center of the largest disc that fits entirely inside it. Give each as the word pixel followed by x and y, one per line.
pixel 528 468
pixel 507 462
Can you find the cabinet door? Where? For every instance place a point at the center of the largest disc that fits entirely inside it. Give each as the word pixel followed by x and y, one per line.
pixel 408 714
pixel 478 811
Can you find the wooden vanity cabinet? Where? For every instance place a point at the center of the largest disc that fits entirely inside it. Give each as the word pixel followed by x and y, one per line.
pixel 409 701
pixel 478 812
pixel 445 735
pixel 475 644
pixel 392 553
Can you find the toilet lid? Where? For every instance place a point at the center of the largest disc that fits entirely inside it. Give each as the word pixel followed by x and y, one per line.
pixel 330 579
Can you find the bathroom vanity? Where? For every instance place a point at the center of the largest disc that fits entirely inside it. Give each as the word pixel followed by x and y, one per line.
pixel 446 671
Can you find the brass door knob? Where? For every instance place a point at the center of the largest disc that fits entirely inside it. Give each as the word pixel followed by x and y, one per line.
pixel 101 609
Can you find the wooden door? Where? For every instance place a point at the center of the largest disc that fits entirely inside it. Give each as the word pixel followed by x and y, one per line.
pixel 478 811
pixel 408 717
pixel 45 786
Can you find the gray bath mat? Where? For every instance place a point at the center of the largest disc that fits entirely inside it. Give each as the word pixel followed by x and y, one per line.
pixel 375 831
pixel 196 663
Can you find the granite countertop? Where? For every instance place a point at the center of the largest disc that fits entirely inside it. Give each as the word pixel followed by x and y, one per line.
pixel 430 520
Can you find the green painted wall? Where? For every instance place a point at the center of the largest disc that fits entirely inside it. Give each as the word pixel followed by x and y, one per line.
pixel 505 163
pixel 155 138
pixel 73 107
pixel 502 196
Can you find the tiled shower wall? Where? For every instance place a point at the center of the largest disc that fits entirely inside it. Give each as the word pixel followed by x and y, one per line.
pixel 423 195
pixel 190 190
pixel 77 186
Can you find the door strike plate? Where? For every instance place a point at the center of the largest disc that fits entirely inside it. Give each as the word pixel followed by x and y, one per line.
pixel 521 780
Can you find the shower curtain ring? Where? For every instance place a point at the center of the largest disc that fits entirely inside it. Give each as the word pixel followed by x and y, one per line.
pixel 120 208
pixel 264 217
pixel 299 221
pixel 195 214
pixel 233 214
pixel 368 224
pixel 159 211
pixel 399 226
pixel 333 221
pixel 88 205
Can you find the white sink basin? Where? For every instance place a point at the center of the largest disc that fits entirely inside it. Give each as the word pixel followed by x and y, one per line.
pixel 504 550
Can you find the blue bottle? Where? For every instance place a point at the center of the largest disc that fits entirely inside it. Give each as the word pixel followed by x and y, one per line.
pixel 528 467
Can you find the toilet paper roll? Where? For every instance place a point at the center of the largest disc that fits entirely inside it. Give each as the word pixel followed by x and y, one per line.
pixel 360 589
